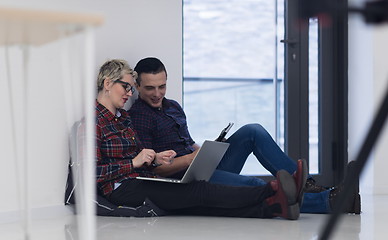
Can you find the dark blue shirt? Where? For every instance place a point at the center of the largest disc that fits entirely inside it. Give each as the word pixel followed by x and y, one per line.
pixel 162 128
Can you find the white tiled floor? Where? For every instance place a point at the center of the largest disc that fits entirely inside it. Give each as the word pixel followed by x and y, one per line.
pixel 371 224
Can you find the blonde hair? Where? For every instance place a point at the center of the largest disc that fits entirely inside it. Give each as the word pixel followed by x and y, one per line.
pixel 114 69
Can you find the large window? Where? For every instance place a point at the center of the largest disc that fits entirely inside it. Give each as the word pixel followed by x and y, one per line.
pixel 313 94
pixel 231 62
pixel 259 61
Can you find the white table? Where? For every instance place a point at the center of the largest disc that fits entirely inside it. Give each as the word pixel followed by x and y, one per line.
pixel 26 28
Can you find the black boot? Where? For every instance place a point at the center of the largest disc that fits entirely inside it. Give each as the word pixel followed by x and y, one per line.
pixel 353 205
pixel 312 187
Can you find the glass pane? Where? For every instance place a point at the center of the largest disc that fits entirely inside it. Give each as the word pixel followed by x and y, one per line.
pixel 313 97
pixel 230 63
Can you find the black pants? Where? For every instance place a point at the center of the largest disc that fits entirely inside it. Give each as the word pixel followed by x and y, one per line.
pixel 196 198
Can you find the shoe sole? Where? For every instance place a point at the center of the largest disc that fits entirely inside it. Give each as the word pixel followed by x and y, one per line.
pixel 287 183
pixel 351 168
pixel 356 208
pixel 303 183
pixel 357 204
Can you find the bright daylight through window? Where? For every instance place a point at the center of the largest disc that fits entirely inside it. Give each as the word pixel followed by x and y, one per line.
pixel 231 59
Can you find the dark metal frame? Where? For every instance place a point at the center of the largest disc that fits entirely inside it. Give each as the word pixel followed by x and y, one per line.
pixel 333 50
pixel 332 92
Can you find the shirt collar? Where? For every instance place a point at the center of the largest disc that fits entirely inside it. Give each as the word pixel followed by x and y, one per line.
pixel 106 113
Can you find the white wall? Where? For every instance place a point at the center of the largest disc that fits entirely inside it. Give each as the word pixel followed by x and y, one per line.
pixel 368 78
pixel 360 84
pixel 132 30
pixel 380 40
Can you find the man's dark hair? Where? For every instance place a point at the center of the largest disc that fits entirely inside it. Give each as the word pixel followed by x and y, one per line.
pixel 149 65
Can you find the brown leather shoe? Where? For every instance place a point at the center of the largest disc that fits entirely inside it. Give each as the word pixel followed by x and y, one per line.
pixel 284 203
pixel 300 177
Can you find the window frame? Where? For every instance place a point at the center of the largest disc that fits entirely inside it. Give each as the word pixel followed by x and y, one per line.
pixel 332 92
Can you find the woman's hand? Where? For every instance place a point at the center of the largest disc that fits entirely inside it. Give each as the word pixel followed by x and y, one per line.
pixel 146 156
pixel 165 157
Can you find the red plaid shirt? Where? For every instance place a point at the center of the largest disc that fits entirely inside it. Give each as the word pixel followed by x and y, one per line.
pixel 116 146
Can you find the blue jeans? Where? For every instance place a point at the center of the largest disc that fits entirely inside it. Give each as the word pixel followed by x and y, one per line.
pixel 253 138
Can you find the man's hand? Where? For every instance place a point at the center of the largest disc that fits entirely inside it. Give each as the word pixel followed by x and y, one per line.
pixel 178 164
pixel 165 157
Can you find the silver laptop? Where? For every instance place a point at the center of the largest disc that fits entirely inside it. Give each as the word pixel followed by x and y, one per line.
pixel 203 165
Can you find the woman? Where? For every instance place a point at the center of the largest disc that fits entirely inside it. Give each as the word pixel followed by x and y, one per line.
pixel 121 158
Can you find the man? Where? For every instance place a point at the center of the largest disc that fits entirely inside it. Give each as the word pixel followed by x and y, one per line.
pixel 161 125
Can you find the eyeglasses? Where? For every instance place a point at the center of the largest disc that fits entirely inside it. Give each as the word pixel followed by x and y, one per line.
pixel 126 86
